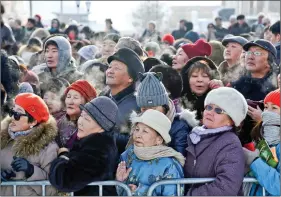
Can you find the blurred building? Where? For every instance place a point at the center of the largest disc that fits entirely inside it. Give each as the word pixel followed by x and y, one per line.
pixel 15 10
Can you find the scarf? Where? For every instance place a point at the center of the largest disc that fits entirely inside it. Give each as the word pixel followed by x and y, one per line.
pixel 153 152
pixel 172 111
pixel 14 135
pixel 198 132
pixel 271 127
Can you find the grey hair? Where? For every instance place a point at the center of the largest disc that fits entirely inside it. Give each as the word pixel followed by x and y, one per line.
pixel 131 43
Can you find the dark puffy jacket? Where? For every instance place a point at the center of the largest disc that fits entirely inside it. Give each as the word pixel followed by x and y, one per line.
pixel 181 127
pixel 277 46
pixel 236 29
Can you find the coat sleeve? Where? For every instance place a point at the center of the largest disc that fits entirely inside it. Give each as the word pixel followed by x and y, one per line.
pixel 75 170
pixel 267 176
pixel 41 171
pixel 179 139
pixel 229 170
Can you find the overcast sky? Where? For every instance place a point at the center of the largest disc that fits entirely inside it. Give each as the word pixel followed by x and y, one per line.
pixel 119 11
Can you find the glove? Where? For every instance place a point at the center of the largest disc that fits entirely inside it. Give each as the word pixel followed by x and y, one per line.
pixel 250 156
pixel 21 164
pixel 7 175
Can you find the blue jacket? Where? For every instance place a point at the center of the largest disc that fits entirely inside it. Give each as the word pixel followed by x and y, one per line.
pixel 181 127
pixel 267 177
pixel 145 173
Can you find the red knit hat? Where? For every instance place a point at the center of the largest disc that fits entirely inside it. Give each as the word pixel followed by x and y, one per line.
pixel 273 97
pixel 168 38
pixel 84 88
pixel 199 48
pixel 34 105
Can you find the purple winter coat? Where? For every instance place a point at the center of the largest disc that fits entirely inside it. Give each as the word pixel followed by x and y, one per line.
pixel 217 156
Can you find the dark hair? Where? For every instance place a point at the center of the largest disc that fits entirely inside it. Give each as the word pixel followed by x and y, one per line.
pixel 256 132
pixel 189 26
pixel 275 28
pixel 200 66
pixel 167 58
pixel 32 20
pixel 240 17
pixel 51 42
pixel 2 9
pixel 70 28
pixel 112 36
pixel 108 20
pixel 166 108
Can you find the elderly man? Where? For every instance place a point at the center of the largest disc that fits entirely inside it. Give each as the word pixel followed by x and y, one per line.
pixel 121 77
pixel 230 69
pixel 258 82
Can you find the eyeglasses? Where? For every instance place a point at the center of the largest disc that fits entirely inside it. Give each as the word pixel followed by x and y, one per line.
pixel 255 53
pixel 216 109
pixel 16 115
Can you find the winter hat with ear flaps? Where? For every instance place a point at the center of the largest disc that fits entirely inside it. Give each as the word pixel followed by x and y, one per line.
pixel 64 51
pixel 231 101
pixel 130 59
pixel 151 91
pixel 103 110
pixel 157 121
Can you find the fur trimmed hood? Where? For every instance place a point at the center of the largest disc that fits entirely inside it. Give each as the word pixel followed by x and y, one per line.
pixel 33 143
pixel 189 117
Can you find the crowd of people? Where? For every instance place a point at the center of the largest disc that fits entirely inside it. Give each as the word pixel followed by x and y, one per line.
pixel 79 106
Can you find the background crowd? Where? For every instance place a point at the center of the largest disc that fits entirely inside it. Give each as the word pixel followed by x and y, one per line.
pixel 79 106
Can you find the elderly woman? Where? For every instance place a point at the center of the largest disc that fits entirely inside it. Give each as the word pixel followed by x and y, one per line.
pixel 267 175
pixel 27 145
pixel 94 154
pixel 149 159
pixel 79 92
pixel 214 149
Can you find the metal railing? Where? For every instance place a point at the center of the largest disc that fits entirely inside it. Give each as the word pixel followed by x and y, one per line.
pixel 187 181
pixel 43 184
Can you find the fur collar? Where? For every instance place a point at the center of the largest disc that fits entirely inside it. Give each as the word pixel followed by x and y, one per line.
pixel 189 117
pixel 32 144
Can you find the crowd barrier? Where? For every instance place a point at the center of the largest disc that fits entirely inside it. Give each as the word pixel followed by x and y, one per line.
pixel 177 182
pixel 188 181
pixel 43 184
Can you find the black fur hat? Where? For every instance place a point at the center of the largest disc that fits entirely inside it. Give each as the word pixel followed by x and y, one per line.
pixel 171 80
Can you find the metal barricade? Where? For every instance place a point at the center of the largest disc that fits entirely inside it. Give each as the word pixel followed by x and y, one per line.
pixel 43 184
pixel 187 181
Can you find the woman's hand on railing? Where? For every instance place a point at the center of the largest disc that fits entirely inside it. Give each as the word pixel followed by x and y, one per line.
pixel 122 171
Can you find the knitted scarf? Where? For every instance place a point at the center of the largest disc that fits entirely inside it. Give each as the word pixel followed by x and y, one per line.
pixel 271 127
pixel 198 132
pixel 154 152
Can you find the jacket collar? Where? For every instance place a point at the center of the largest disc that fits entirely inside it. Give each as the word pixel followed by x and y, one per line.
pixel 124 93
pixel 33 143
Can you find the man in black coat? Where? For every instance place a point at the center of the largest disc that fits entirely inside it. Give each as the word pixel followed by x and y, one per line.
pixel 121 78
pixel 240 27
pixel 94 155
pixel 258 82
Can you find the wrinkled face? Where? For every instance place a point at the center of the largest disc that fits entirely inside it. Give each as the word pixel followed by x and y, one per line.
pixel 87 125
pixel 213 120
pixel 257 63
pixel 108 47
pixel 53 102
pixel 117 74
pixel 274 38
pixel 157 108
pixel 232 51
pixel 242 58
pixel 269 106
pixel 52 56
pixel 145 136
pixel 199 82
pixel 21 124
pixel 180 59
pixel 72 102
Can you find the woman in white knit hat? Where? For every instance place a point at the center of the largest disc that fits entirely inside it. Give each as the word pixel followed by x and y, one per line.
pixel 214 150
pixel 149 159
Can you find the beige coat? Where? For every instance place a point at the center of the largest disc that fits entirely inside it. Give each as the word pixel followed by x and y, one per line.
pixel 38 148
pixel 232 74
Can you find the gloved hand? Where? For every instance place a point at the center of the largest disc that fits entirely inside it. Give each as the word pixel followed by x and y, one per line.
pixel 21 164
pixel 7 175
pixel 250 156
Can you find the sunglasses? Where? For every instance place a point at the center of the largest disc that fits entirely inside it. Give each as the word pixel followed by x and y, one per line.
pixel 216 109
pixel 16 115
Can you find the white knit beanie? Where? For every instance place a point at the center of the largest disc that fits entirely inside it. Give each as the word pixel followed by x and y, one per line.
pixel 231 101
pixel 157 121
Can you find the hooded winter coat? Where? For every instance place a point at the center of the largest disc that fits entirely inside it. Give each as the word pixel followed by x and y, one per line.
pixel 55 30
pixel 217 155
pixel 40 33
pixel 93 158
pixel 66 67
pixel 38 147
pixel 230 74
